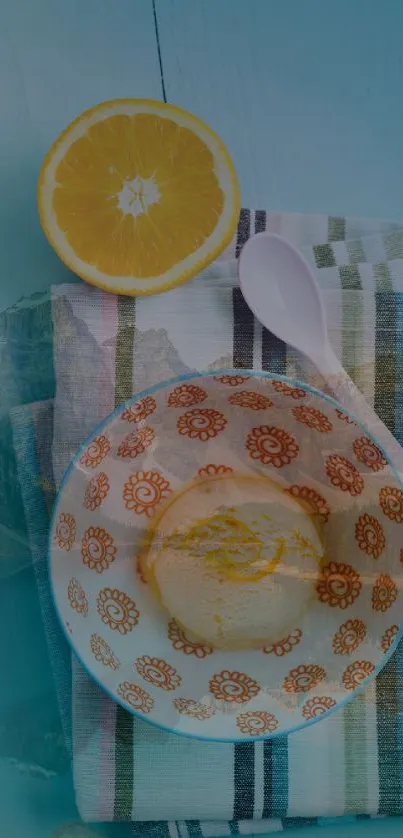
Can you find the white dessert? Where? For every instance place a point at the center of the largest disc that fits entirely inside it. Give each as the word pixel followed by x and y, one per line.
pixel 235 561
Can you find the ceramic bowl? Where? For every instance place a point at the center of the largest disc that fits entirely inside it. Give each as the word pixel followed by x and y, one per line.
pixel 194 429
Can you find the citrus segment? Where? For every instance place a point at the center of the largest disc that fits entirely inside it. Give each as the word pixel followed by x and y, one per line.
pixel 138 196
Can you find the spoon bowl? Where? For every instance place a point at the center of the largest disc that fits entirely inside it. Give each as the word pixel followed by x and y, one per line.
pixel 281 289
pixel 282 292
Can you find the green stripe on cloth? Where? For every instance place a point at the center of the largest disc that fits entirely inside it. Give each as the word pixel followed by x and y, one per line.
pixel 393 243
pixel 243 332
pixel 399 720
pixel 243 232
pixel 386 683
pixel 385 405
pixel 388 743
pixel 399 368
pixel 324 256
pixel 355 251
pixel 124 721
pixel 275 751
pixel 260 221
pixel 352 321
pixel 243 337
pixel 124 349
pixel 382 278
pixel 123 806
pixel 350 278
pixel 146 829
pixel 244 780
pixel 274 353
pixel 356 786
pixel 385 358
pixel 194 829
pixel 276 767
pixel 268 779
pixel 336 228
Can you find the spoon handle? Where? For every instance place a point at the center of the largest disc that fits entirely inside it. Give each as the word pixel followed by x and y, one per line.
pixel 346 392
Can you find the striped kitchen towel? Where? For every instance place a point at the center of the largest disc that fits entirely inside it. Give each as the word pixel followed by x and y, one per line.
pixel 31 735
pixel 26 375
pixel 32 430
pixel 106 349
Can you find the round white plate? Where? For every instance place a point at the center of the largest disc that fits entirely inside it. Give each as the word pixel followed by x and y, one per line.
pixel 195 428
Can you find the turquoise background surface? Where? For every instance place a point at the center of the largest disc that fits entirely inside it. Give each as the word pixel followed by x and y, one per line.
pixel 307 97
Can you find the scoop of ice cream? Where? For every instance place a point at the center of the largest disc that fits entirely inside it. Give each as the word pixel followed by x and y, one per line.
pixel 235 561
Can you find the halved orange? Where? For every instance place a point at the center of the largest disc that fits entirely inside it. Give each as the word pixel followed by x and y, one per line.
pixel 138 196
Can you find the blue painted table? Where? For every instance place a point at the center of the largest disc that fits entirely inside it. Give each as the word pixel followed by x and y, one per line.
pixel 307 96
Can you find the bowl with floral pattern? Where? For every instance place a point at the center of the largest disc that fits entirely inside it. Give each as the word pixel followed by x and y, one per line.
pixel 122 565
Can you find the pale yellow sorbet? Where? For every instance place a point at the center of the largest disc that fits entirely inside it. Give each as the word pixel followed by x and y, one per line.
pixel 235 561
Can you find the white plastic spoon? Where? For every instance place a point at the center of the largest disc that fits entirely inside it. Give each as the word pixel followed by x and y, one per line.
pixel 282 291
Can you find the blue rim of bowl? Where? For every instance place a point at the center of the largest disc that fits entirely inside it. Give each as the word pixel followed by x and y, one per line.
pixel 293 382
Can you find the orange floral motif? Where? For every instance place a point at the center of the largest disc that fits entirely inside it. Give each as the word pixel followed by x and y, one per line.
pixel 195 709
pixel 231 380
pixel 312 499
pixel 388 638
pixel 186 395
pixel 287 390
pixel 356 673
pixel 257 722
pixel 136 443
pixel 140 410
pixel 317 706
pixel 96 491
pixel 96 452
pixel 313 418
pixel 77 597
pixel 369 535
pixel 103 652
pixel 182 643
pixel 384 593
pixel 283 647
pixel 143 492
pixel 272 446
pixel 117 610
pixel 339 585
pixel 214 471
pixel 98 549
pixel 134 695
pixel 344 474
pixel 368 453
pixel 158 672
pixel 344 417
pixel 233 686
pixel 201 424
pixel 304 678
pixel 65 531
pixel 348 637
pixel 391 500
pixel 247 398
